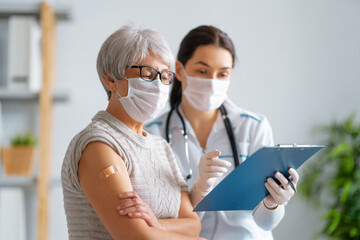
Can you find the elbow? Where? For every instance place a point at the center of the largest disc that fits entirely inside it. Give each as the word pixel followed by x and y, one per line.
pixel 193 226
pixel 146 233
pixel 197 229
pixel 134 232
pixel 196 225
pixel 139 234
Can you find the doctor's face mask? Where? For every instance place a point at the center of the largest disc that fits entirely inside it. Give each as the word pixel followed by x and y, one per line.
pixel 205 94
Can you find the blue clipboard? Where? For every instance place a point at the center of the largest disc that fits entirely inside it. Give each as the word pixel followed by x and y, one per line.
pixel 244 188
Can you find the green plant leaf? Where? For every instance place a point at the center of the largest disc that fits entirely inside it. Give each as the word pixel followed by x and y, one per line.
pixel 333 179
pixel 348 163
pixel 27 139
pixel 354 232
pixel 336 217
pixel 346 191
pixel 342 148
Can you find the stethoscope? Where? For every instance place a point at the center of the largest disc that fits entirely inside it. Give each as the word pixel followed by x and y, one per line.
pixel 228 127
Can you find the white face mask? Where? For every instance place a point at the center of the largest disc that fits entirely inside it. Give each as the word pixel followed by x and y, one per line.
pixel 145 99
pixel 205 94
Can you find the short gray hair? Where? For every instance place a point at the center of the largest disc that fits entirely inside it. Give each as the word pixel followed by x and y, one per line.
pixel 128 46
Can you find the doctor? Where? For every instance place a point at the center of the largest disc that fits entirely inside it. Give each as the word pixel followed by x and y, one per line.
pixel 210 136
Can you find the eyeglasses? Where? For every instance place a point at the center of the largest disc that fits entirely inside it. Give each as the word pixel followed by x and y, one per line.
pixel 149 74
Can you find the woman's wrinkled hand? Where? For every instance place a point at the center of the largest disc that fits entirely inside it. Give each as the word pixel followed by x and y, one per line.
pixel 280 194
pixel 134 207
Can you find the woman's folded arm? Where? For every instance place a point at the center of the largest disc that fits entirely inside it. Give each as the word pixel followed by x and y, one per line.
pixel 102 189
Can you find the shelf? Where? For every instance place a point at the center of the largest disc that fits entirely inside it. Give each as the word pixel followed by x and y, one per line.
pixel 17 182
pixel 36 189
pixel 9 9
pixel 22 182
pixel 23 95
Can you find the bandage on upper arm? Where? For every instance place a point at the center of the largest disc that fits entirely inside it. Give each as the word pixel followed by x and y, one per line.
pixel 107 172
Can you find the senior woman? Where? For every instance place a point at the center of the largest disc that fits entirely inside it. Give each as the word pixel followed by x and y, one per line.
pixel 113 164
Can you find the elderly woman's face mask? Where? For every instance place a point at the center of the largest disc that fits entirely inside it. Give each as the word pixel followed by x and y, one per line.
pixel 145 99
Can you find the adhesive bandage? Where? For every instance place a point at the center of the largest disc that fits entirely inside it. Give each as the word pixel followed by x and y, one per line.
pixel 107 172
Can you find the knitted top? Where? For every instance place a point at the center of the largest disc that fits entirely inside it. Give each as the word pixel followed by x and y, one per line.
pixel 150 163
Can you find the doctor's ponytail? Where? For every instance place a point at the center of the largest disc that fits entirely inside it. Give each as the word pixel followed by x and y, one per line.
pixel 200 36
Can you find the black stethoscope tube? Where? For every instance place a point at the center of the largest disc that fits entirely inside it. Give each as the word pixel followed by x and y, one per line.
pixel 167 133
pixel 228 127
pixel 230 133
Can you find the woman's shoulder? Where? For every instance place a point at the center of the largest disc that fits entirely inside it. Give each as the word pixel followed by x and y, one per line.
pixel 96 130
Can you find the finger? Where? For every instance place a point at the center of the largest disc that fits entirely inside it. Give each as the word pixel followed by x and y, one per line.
pixel 272 191
pixel 128 210
pixel 127 203
pixel 133 209
pixel 136 215
pixel 141 215
pixel 131 194
pixel 210 169
pixel 277 188
pixel 279 194
pixel 294 175
pixel 218 162
pixel 283 180
pixel 214 174
pixel 131 202
pixel 275 196
pixel 213 153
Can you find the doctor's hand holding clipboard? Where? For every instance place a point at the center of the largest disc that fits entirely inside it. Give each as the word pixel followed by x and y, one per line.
pixel 248 178
pixel 211 167
pixel 210 135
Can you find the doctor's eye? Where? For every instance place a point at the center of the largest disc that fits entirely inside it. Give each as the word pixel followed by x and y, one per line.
pixel 224 75
pixel 201 71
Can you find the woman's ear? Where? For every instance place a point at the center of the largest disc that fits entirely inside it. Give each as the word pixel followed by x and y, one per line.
pixel 179 71
pixel 109 82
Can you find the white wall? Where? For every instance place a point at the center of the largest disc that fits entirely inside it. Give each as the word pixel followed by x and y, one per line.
pixel 298 63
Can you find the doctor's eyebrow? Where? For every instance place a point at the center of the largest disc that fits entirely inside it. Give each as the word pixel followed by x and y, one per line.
pixel 207 65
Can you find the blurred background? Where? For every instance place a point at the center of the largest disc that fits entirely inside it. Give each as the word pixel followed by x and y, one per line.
pixel 298 63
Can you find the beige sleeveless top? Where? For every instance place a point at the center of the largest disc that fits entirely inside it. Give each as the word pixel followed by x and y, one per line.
pixel 150 163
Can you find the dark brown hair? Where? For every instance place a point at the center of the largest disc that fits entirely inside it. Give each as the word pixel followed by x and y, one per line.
pixel 200 36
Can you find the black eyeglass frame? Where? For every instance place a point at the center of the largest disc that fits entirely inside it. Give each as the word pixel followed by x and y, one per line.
pixel 157 73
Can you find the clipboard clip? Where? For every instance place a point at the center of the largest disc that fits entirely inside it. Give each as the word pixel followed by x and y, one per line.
pixel 287 145
pixel 292 145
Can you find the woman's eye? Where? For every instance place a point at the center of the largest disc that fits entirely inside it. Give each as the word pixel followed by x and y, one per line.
pixel 147 76
pixel 201 71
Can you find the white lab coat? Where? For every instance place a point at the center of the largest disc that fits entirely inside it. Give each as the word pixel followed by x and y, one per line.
pixel 252 131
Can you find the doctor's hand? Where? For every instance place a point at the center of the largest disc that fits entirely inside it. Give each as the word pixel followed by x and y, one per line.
pixel 280 194
pixel 134 207
pixel 210 167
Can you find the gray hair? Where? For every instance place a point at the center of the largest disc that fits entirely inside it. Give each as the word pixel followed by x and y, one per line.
pixel 128 46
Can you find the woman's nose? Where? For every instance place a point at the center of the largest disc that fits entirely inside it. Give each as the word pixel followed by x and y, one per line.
pixel 157 76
